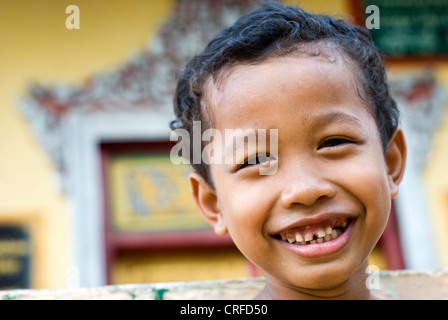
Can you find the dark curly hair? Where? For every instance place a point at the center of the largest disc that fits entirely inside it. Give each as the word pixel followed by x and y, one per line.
pixel 275 30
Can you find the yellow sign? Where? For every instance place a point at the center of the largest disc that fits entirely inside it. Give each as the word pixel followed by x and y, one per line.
pixel 149 193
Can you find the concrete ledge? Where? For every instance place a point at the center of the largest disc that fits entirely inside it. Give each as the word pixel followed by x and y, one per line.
pixel 395 285
pixel 413 285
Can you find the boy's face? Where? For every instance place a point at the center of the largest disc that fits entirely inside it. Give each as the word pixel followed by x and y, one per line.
pixel 333 183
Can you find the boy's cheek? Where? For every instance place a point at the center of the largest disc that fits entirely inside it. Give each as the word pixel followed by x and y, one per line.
pixel 245 212
pixel 367 182
pixel 375 194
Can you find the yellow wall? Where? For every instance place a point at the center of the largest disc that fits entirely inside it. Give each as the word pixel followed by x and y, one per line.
pixel 333 7
pixel 36 45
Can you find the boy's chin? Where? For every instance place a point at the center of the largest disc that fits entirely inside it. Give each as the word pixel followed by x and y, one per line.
pixel 334 276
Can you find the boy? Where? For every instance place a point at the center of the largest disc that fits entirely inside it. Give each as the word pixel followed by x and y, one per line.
pixel 338 154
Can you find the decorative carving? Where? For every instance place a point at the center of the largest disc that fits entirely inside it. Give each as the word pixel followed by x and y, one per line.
pixel 422 102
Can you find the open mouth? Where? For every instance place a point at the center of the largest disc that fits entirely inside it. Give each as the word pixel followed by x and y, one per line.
pixel 317 233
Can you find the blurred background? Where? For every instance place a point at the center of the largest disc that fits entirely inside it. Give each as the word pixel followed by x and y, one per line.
pixel 88 195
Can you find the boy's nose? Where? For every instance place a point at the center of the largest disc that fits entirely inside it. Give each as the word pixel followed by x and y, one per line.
pixel 306 190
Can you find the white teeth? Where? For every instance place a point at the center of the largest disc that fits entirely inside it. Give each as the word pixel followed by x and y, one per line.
pixel 299 237
pixel 320 234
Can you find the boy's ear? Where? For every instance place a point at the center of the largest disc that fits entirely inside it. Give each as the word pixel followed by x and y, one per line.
pixel 207 202
pixel 396 161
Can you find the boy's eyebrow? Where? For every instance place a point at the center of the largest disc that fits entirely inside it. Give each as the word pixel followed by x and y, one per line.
pixel 240 136
pixel 329 118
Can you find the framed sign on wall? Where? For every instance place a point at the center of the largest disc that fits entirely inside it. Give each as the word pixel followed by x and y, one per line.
pixel 15 257
pixel 21 263
pixel 406 29
pixel 147 193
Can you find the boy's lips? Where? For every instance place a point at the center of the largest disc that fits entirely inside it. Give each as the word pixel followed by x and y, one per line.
pixel 317 236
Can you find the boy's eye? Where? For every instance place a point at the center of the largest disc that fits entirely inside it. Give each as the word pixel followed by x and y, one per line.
pixel 256 160
pixel 333 142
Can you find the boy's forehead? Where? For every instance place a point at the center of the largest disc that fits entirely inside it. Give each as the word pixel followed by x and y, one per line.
pixel 322 52
pixel 302 77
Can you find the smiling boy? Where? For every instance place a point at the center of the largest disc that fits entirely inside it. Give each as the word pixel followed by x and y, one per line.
pixel 340 155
